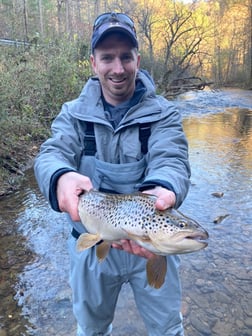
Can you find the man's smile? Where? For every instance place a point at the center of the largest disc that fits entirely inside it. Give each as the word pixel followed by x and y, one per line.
pixel 118 80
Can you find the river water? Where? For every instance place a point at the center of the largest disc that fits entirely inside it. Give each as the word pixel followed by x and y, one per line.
pixel 35 298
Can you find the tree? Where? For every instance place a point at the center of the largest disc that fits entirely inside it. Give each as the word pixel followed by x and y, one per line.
pixel 210 38
pixel 147 17
pixel 41 19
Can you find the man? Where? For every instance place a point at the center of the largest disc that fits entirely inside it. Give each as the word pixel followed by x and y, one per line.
pixel 118 136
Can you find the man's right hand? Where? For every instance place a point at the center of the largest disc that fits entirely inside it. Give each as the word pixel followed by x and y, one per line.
pixel 69 186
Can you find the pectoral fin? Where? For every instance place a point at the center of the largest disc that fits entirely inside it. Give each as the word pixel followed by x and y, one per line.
pixel 135 237
pixel 102 250
pixel 87 240
pixel 156 269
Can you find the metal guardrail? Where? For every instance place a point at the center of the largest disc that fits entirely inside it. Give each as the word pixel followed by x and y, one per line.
pixel 14 43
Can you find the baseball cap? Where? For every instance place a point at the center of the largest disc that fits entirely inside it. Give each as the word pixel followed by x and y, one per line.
pixel 113 22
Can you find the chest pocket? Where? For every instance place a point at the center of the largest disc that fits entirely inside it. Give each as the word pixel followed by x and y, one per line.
pixel 90 144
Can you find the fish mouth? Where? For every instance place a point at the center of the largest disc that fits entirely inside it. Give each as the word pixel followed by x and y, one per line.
pixel 200 237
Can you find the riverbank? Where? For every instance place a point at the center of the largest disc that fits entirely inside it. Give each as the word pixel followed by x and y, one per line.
pixel 15 158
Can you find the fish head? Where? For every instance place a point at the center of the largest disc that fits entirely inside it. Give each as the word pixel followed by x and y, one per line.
pixel 179 235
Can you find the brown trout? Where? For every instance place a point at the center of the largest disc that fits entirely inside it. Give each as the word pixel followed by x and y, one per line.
pixel 109 218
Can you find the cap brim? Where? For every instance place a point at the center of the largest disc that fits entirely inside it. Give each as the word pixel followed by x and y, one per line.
pixel 110 27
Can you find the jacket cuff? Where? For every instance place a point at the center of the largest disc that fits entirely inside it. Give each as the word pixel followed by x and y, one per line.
pixel 53 187
pixel 154 183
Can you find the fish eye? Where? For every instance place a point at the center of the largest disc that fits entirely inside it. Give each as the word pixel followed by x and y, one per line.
pixel 182 224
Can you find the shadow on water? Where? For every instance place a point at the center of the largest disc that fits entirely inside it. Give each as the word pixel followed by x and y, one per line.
pixel 14 256
pixel 217 282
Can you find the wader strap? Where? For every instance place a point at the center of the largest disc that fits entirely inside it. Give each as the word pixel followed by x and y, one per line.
pixel 144 133
pixel 90 144
pixel 75 233
pixel 89 140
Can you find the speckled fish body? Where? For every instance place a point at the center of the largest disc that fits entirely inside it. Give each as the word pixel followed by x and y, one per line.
pixel 112 217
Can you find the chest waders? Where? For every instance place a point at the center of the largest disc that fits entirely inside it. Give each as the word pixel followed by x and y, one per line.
pixel 96 286
pixel 118 178
pixel 90 144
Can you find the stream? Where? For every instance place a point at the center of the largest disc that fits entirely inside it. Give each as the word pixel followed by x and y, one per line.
pixel 35 298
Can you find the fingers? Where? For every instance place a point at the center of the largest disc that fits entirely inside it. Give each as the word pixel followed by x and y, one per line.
pixel 133 248
pixel 165 198
pixel 69 186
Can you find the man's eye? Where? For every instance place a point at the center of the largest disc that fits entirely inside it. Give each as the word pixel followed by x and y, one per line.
pixel 106 58
pixel 126 58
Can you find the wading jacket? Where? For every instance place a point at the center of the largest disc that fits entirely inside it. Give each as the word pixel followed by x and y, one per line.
pixel 165 163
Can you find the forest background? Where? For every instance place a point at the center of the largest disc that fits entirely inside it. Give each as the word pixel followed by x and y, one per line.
pixel 209 39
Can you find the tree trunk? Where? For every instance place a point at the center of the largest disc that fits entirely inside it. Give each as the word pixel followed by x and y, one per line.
pixel 41 19
pixel 25 20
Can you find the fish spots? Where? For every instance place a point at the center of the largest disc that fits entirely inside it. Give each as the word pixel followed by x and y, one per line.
pixel 115 216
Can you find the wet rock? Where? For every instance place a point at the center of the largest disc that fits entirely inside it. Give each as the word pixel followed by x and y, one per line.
pixel 243 274
pixel 201 301
pixel 222 328
pixel 185 309
pixel 223 298
pixel 248 322
pixel 218 194
pixel 248 308
pixel 200 326
pixel 3 332
pixel 239 324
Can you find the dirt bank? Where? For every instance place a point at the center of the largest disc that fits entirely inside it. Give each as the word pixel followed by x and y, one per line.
pixel 14 160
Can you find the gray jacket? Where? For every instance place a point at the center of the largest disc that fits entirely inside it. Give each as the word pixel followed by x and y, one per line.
pixel 165 164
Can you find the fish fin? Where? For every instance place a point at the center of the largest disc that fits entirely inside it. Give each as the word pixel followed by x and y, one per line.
pixel 102 250
pixel 156 269
pixel 87 240
pixel 136 237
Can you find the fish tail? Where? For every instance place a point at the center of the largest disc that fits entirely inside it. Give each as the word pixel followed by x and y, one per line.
pixel 156 269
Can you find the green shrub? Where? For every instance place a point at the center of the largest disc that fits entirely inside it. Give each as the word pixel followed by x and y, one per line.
pixel 34 83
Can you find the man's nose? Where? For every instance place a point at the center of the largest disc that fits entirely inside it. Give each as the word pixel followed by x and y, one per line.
pixel 118 66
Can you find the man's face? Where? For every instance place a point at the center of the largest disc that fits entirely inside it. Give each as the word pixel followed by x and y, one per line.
pixel 115 62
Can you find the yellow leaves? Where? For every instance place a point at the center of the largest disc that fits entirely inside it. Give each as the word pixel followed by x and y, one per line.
pixel 84 64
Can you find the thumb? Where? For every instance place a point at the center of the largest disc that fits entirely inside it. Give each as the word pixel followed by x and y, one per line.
pixel 161 204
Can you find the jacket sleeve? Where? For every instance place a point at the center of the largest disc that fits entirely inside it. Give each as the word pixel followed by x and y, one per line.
pixel 167 157
pixel 59 154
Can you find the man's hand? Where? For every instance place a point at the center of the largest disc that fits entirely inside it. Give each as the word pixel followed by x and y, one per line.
pixel 69 187
pixel 165 199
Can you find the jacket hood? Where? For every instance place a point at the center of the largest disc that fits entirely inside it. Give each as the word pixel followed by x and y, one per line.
pixel 89 107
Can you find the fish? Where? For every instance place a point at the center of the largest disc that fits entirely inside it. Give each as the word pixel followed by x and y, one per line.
pixel 109 217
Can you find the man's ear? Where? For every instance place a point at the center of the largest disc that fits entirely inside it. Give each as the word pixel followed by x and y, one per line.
pixel 138 61
pixel 93 64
